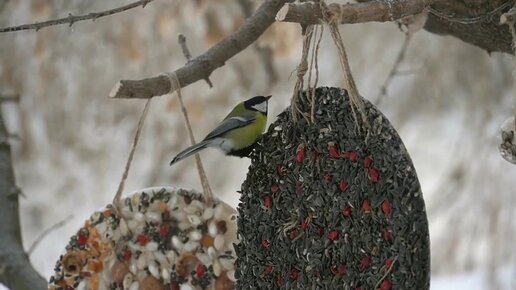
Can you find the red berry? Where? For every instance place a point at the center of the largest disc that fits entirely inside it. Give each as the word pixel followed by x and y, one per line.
pixel 343 185
pixel 164 231
pixel 126 255
pixel 282 171
pixel 386 285
pixel 333 235
pixel 386 207
pixel 300 154
pixel 305 224
pixel 142 240
pixel 351 155
pixel 368 161
pixel 366 206
pixel 346 211
pixel 294 274
pixel 374 174
pixel 82 239
pixel 365 263
pixel 387 235
pixel 274 188
pixel 268 201
pixel 265 244
pixel 280 280
pixel 328 178
pixel 332 149
pixel 388 263
pixel 293 234
pixel 341 269
pixel 268 269
pixel 201 270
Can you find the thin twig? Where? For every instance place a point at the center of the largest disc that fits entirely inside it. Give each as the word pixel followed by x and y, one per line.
pixel 394 70
pixel 71 19
pixel 48 231
pixel 186 52
pixel 203 65
pixel 264 52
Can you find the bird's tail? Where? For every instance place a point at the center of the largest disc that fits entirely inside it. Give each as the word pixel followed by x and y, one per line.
pixel 190 151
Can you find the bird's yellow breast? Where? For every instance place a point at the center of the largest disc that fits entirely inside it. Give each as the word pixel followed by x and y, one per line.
pixel 247 135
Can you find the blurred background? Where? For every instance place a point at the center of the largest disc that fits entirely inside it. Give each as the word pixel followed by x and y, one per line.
pixel 70 141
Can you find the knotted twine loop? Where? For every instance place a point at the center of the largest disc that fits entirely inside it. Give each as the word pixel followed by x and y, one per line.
pixel 332 15
pixel 121 185
pixel 175 86
pixel 303 68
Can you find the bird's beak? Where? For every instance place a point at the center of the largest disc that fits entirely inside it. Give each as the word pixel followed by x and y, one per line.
pixel 268 97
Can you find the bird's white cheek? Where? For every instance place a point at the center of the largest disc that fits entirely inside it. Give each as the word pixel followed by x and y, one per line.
pixel 262 107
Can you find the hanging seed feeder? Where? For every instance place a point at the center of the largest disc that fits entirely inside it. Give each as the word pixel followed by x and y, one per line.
pixel 327 205
pixel 162 238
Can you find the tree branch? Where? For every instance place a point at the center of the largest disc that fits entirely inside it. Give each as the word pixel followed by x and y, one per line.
pixel 309 13
pixel 202 66
pixel 71 19
pixel 16 271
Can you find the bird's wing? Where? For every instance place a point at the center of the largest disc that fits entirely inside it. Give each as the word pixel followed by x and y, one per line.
pixel 230 124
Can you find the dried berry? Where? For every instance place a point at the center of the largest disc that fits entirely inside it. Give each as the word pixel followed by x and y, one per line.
pixel 300 155
pixel 386 207
pixel 282 170
pixel 268 201
pixel 365 262
pixel 82 239
pixel 274 188
pixel 374 175
pixel 346 211
pixel 142 239
pixel 164 230
pixel 388 263
pixel 126 255
pixel 333 151
pixel 385 285
pixel 294 274
pixel 366 206
pixel 368 161
pixel 200 270
pixel 351 155
pixel 328 178
pixel 333 235
pixel 387 235
pixel 265 244
pixel 343 185
pixel 268 269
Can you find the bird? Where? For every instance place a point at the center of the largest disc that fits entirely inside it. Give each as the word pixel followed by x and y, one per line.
pixel 237 134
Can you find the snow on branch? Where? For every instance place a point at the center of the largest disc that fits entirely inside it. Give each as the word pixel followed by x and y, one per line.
pixel 71 19
pixel 307 13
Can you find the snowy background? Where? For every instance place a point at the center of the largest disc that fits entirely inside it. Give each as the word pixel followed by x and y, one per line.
pixel 72 140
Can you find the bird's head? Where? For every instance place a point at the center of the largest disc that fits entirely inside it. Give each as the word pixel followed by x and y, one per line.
pixel 258 103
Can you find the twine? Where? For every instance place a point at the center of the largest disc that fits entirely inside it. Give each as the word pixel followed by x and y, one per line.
pixel 175 86
pixel 121 185
pixel 301 70
pixel 332 15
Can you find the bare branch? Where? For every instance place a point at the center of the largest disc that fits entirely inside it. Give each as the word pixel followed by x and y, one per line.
pixel 16 272
pixel 309 13
pixel 202 66
pixel 186 52
pixel 394 70
pixel 71 19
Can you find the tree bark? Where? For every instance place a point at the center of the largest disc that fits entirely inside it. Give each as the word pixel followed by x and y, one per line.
pixel 16 271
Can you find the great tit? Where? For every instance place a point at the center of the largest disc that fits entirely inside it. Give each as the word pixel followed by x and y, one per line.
pixel 237 134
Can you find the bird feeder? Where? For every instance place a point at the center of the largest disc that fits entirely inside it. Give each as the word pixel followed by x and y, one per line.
pixel 161 238
pixel 331 205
